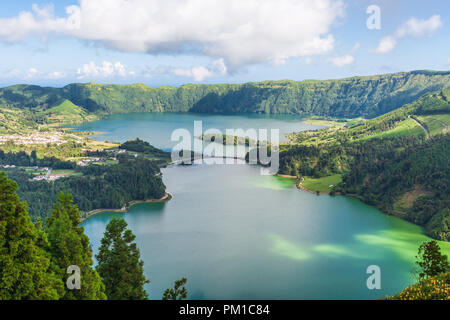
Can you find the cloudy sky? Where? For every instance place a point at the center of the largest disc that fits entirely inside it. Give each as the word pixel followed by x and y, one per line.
pixel 172 42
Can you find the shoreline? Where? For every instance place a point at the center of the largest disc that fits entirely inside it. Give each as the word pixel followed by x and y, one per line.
pixel 167 197
pixel 333 122
pixel 298 183
pixel 353 195
pixel 303 188
pixel 287 176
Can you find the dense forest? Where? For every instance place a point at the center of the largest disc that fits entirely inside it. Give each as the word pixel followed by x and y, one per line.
pixel 97 186
pixel 419 174
pixel 54 260
pixel 390 161
pixel 24 159
pixel 352 97
pixel 145 148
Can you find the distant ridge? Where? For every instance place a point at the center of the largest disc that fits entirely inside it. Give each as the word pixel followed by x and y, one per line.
pixel 366 96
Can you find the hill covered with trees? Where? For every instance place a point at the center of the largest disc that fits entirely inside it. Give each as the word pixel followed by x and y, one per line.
pixel 398 162
pixel 351 97
pixel 94 187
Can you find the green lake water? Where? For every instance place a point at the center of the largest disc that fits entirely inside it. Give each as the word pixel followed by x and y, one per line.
pixel 236 234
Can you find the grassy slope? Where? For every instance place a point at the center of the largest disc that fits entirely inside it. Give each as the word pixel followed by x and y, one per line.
pixel 430 108
pixel 65 112
pixel 324 184
pixel 15 121
pixel 407 127
pixel 437 123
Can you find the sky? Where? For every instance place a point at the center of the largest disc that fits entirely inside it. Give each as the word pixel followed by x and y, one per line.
pixel 174 42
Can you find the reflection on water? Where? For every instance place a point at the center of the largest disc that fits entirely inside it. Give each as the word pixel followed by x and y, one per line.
pixel 236 234
pixel 403 242
pixel 286 248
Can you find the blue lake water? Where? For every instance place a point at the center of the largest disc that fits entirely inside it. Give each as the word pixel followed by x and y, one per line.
pixel 236 234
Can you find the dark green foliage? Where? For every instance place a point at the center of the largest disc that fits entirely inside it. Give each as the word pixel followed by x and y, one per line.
pixel 438 226
pixel 178 292
pixel 70 246
pixel 101 186
pixel 351 97
pixel 119 264
pixel 21 158
pixel 25 269
pixel 144 147
pixel 314 161
pixel 383 176
pixel 430 260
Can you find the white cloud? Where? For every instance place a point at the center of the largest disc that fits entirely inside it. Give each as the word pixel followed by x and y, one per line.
pixel 56 75
pixel 38 22
pixel 197 73
pixel 219 67
pixel 342 61
pixel 386 44
pixel 239 32
pixel 412 28
pixel 107 69
pixel 419 28
pixel 30 73
pixel 21 74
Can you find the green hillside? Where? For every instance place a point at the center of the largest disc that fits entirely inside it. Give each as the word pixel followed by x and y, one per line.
pixel 352 97
pixel 431 111
pixel 14 121
pixel 398 162
pixel 65 112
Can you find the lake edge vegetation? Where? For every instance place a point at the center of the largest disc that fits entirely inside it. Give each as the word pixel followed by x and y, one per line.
pixel 34 257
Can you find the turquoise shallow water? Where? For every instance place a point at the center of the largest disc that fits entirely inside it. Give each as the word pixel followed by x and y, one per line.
pixel 238 235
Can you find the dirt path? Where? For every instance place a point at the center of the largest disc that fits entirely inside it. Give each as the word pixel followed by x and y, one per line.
pixel 424 129
pixel 301 187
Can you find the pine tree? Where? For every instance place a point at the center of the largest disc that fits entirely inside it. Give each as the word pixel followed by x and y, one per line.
pixel 25 267
pixel 430 260
pixel 119 263
pixel 70 246
pixel 179 291
pixel 33 158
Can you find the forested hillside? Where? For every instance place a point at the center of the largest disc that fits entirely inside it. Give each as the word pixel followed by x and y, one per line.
pixel 398 162
pixel 352 97
pixel 94 187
